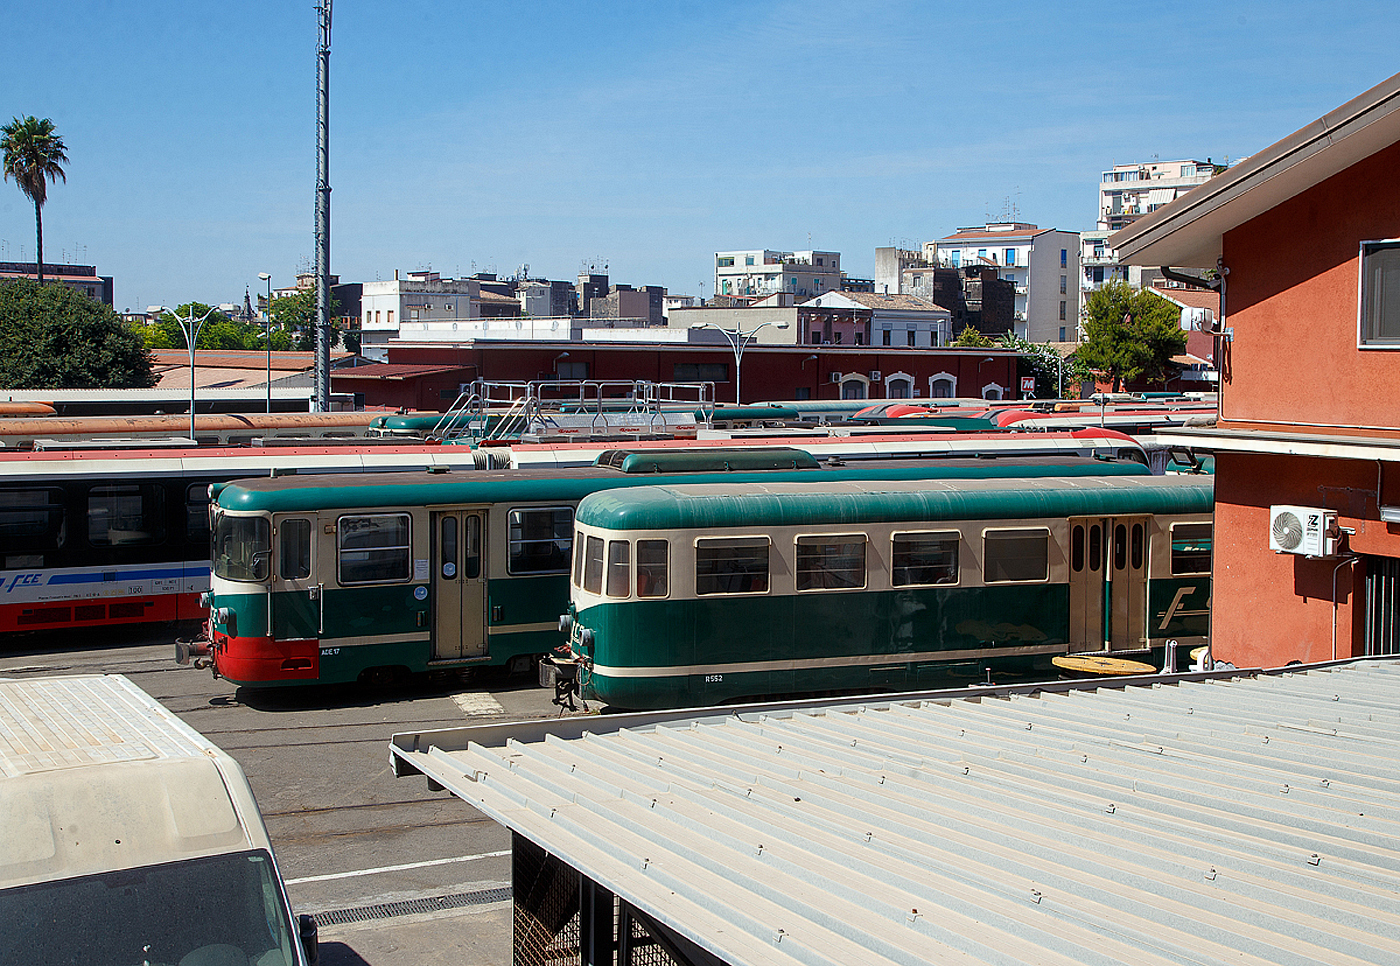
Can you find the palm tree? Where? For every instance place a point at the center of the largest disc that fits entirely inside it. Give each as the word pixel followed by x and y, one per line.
pixel 33 155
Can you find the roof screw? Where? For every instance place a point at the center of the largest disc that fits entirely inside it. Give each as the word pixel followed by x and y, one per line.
pixel 653 803
pixel 1028 726
pixel 1266 739
pixel 1285 789
pixel 913 915
pixel 1111 808
pixel 966 769
pixel 645 862
pixel 778 936
pixel 1210 875
pixel 1314 859
pixel 1326 783
pixel 869 836
pixel 1035 896
pixel 1083 759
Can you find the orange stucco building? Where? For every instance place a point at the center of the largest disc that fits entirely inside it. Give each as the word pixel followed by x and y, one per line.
pixel 1305 237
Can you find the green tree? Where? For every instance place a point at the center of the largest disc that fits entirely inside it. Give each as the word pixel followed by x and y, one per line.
pixel 1130 335
pixel 972 338
pixel 33 156
pixel 1045 363
pixel 298 312
pixel 53 337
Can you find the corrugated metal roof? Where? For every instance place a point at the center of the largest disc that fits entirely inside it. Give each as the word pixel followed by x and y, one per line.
pixel 1252 819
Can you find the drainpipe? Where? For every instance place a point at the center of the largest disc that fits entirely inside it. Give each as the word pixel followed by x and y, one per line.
pixel 1350 560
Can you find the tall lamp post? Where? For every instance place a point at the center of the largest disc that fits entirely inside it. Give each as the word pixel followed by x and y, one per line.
pixel 738 340
pixel 190 327
pixel 267 334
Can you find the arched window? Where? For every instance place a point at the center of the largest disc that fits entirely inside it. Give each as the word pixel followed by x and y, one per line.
pixel 943 385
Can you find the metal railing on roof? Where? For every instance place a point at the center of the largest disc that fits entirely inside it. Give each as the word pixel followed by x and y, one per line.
pixel 565 407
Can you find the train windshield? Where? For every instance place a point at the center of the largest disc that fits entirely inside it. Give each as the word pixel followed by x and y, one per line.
pixel 242 547
pixel 218 909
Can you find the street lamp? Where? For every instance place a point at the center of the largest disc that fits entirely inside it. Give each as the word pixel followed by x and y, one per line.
pixel 267 334
pixel 738 340
pixel 190 327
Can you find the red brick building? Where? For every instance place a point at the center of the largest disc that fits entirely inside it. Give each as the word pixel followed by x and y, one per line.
pixel 1308 234
pixel 426 376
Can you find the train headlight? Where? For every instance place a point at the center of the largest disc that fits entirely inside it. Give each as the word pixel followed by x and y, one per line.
pixel 585 638
pixel 222 615
pixel 206 598
pixel 566 623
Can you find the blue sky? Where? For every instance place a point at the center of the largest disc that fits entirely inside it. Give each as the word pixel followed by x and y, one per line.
pixel 644 135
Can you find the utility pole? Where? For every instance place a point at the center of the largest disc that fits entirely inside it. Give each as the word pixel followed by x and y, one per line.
pixel 322 401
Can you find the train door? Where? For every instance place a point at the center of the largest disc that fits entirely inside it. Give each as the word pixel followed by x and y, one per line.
pixel 459 584
pixel 294 603
pixel 1108 583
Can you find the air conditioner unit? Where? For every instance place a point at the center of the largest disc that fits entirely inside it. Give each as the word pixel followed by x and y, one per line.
pixel 875 375
pixel 1310 531
pixel 834 377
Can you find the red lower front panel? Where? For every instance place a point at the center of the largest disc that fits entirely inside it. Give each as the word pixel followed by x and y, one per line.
pixel 100 612
pixel 262 660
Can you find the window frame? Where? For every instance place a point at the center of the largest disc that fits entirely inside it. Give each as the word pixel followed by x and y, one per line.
pixel 340 550
pixel 957 539
pixel 1174 557
pixel 512 543
pixel 1365 338
pixel 828 539
pixel 989 531
pixel 734 543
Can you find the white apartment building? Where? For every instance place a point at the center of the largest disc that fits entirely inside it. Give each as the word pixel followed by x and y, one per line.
pixel 1126 193
pixel 1042 264
pixel 416 297
pixel 1129 191
pixel 761 272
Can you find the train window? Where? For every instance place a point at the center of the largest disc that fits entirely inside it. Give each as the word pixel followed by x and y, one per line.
pixel 1015 555
pixel 831 562
pixel 373 549
pixel 1137 543
pixel 242 547
pixel 578 559
pixel 447 548
pixel 471 563
pixel 593 565
pixel 1120 547
pixel 295 539
pixel 924 558
pixel 197 513
pixel 731 566
pixel 1095 548
pixel 126 513
pixel 31 520
pixel 653 565
pixel 540 540
pixel 619 568
pixel 1191 548
pixel 1076 548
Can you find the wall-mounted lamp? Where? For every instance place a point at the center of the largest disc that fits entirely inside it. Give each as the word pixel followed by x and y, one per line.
pixel 811 358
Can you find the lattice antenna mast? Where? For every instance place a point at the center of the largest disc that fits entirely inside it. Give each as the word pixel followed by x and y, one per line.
pixel 322 401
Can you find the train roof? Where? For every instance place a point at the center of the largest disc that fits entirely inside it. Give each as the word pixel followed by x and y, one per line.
pixel 853 502
pixel 303 493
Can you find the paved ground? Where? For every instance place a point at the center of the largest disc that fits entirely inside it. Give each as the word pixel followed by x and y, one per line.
pixel 349 836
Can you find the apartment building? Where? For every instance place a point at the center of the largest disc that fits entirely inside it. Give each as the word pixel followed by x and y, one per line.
pixel 1042 264
pixel 759 273
pixel 413 298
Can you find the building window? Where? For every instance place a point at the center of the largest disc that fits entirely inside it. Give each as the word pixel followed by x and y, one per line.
pixel 748 259
pixel 1062 333
pixel 819 261
pixel 1062 311
pixel 957 258
pixel 1380 293
pixel 369 316
pixel 376 316
pixel 726 262
pixel 1011 256
pixel 837 338
pixel 910 336
pixel 1064 257
pixel 816 284
pixel 700 372
pixel 885 337
pixel 1098 275
pixel 1064 282
pixel 390 317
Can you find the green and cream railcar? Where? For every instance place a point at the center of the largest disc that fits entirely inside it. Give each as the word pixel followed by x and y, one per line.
pixel 326 579
pixel 697 595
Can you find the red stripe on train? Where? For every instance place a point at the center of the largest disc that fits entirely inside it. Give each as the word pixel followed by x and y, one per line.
pixel 100 612
pixel 262 660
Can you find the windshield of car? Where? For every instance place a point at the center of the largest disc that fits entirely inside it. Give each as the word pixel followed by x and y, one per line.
pixel 223 910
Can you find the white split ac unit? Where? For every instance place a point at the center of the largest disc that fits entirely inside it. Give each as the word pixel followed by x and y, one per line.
pixel 835 377
pixel 1310 531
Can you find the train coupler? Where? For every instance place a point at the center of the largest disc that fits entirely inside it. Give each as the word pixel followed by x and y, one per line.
pixel 562 676
pixel 197 652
